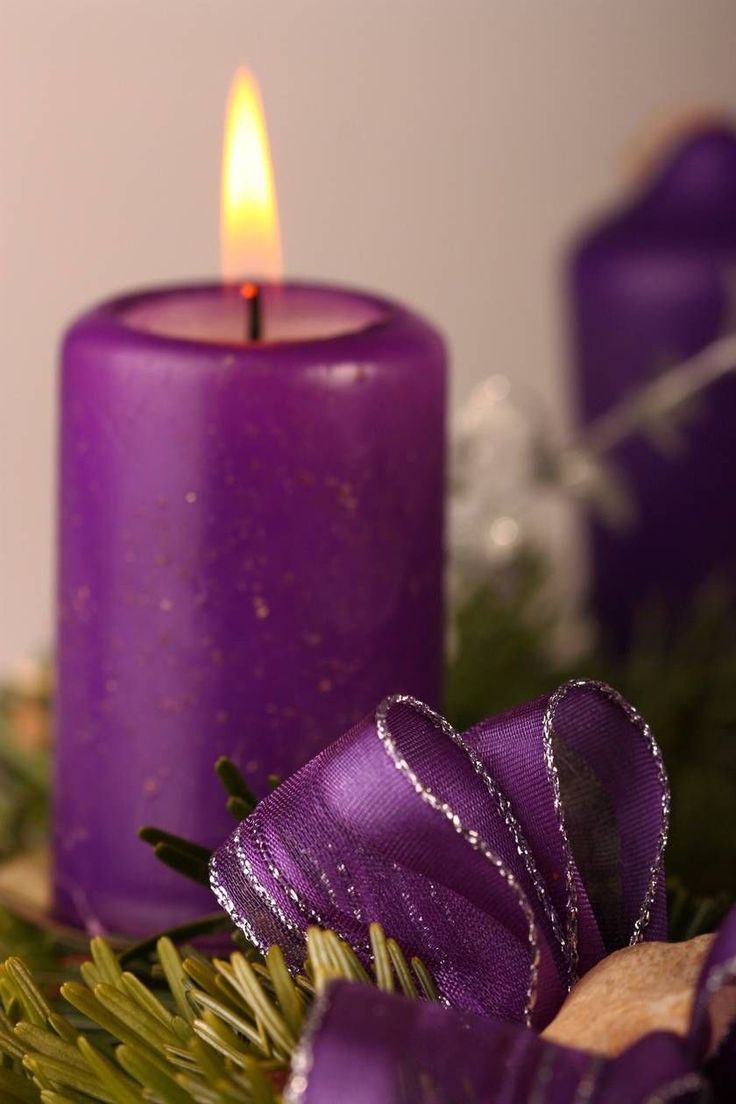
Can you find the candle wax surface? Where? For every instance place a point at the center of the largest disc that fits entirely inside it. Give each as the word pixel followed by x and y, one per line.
pixel 652 286
pixel 218 315
pixel 250 560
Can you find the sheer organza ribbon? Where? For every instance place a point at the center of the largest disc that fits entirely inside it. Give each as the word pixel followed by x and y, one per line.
pixel 369 1047
pixel 511 858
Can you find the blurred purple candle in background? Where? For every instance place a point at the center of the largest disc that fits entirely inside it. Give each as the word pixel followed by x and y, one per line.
pixel 652 285
pixel 251 558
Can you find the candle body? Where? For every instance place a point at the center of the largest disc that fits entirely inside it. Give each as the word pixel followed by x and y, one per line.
pixel 250 558
pixel 651 286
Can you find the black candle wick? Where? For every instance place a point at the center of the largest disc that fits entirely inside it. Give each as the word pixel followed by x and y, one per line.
pixel 251 295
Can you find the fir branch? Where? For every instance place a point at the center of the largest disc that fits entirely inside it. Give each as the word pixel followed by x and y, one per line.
pixel 212 1032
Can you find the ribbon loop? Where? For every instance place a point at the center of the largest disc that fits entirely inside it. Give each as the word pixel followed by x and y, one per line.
pixel 509 858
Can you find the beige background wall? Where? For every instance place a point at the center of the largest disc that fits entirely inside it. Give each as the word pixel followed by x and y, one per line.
pixel 441 150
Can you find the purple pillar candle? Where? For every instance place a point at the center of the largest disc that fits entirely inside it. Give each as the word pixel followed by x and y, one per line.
pixel 251 558
pixel 652 285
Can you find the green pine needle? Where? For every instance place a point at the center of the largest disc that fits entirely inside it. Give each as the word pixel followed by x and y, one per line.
pixel 210 924
pixel 192 868
pixel 239 808
pixel 234 783
pixel 156 836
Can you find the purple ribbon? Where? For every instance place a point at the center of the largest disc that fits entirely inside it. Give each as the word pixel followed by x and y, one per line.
pixel 511 858
pixel 369 1047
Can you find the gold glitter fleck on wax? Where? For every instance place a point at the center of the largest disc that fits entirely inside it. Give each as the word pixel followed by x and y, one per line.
pixel 150 787
pixel 191 496
pixel 346 496
pixel 260 605
pixel 81 597
pixel 171 705
pixel 73 838
pixel 324 685
pixel 166 605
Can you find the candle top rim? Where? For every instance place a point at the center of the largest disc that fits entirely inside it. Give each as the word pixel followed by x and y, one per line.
pixel 687 200
pixel 107 320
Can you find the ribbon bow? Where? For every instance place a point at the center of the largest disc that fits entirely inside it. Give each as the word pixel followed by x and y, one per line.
pixel 511 858
pixel 369 1047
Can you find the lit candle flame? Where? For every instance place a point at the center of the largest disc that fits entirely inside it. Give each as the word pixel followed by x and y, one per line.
pixel 250 240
